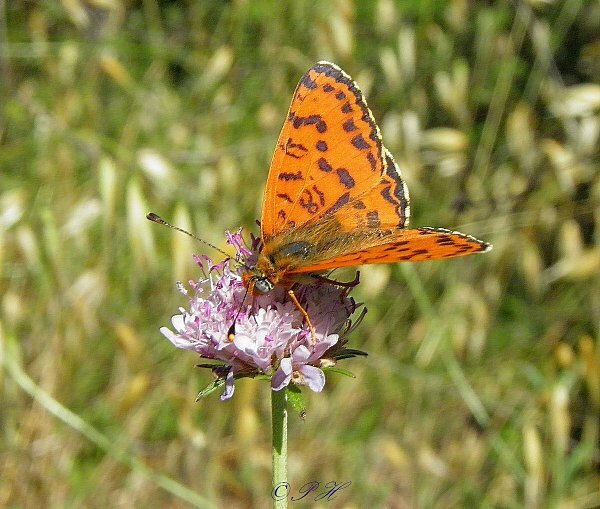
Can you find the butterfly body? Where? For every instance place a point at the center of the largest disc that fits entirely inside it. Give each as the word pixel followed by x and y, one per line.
pixel 334 195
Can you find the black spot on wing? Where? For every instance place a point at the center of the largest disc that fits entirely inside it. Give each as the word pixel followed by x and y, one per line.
pixel 346 108
pixel 445 240
pixel 308 82
pixel 324 165
pixel 321 146
pixel 315 120
pixel 285 196
pixel 360 143
pixel 349 126
pixel 387 195
pixel 374 259
pixel 306 201
pixel 396 247
pixel 342 200
pixel 328 88
pixel 356 257
pixel 372 161
pixel 399 204
pixel 290 176
pixel 295 150
pixel 345 178
pixel 320 194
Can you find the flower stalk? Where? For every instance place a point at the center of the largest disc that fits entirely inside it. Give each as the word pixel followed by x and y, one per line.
pixel 279 418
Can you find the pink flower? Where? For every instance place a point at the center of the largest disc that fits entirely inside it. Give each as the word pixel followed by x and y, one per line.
pixel 271 336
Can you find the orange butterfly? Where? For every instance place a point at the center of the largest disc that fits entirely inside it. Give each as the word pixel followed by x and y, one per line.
pixel 334 195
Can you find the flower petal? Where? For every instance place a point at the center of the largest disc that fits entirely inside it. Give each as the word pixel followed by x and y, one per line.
pixel 313 377
pixel 283 375
pixel 301 354
pixel 229 387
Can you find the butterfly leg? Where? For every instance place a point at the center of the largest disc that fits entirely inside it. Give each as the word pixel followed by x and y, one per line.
pixel 343 284
pixel 311 327
pixel 347 285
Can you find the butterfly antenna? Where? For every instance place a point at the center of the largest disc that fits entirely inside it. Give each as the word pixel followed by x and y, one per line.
pixel 155 218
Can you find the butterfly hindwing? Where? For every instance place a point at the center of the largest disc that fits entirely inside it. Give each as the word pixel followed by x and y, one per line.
pixel 415 245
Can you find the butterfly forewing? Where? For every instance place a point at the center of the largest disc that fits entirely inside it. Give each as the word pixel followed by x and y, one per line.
pixel 328 153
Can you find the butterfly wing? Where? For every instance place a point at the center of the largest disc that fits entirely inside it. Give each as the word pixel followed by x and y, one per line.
pixel 328 154
pixel 414 245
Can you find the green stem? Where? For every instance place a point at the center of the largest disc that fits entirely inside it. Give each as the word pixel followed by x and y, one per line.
pixel 279 426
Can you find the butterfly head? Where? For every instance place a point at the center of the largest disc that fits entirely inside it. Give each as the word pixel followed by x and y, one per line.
pixel 262 284
pixel 265 276
pixel 257 282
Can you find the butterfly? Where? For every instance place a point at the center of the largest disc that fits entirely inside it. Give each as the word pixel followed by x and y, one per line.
pixel 334 195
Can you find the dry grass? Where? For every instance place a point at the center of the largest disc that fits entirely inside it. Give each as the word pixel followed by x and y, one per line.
pixel 482 388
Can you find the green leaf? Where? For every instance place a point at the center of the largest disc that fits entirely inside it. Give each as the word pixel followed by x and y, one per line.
pixel 346 353
pixel 210 388
pixel 209 365
pixel 341 371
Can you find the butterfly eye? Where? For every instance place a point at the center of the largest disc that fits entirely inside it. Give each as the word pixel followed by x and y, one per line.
pixel 263 285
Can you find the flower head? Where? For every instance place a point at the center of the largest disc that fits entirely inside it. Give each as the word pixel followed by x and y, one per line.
pixel 271 336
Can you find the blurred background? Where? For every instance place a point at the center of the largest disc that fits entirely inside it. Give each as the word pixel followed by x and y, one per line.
pixel 482 385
